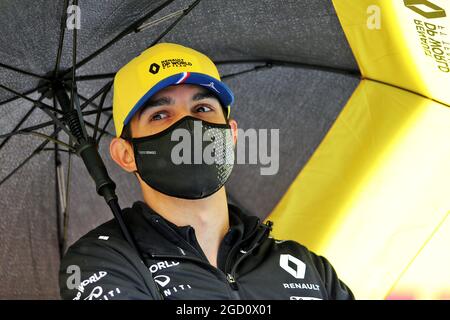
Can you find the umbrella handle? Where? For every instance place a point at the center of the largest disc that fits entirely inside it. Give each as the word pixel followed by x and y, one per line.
pixel 87 149
pixel 106 188
pixel 117 212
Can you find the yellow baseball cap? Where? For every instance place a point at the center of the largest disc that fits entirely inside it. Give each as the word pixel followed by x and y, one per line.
pixel 160 66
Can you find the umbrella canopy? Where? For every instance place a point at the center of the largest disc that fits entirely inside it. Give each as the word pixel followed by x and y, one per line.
pixel 290 67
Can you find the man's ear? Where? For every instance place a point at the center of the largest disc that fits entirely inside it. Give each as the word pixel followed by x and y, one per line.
pixel 234 129
pixel 122 153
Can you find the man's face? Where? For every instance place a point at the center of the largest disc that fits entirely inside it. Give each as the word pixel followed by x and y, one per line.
pixel 173 103
pixel 164 109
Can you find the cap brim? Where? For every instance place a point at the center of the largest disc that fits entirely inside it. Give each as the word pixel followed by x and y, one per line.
pixel 217 87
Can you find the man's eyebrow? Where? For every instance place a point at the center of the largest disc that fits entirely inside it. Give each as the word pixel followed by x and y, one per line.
pixel 155 103
pixel 204 95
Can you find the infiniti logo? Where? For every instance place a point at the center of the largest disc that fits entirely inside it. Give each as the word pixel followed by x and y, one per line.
pixel 162 280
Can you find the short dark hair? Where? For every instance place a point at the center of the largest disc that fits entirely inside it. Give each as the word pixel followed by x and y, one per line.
pixel 127 134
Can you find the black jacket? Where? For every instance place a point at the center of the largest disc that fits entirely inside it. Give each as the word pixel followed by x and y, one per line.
pixel 251 264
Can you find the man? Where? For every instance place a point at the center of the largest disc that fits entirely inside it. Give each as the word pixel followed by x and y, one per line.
pixel 194 245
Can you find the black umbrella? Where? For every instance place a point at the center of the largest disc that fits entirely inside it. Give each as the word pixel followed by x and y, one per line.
pixel 287 62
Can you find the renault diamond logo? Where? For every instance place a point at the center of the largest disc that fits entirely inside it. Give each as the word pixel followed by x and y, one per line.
pixel 300 267
pixel 154 68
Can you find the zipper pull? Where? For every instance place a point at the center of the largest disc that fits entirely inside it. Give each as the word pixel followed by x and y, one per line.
pixel 232 281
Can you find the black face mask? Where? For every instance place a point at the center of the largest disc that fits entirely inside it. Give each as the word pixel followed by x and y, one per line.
pixel 187 167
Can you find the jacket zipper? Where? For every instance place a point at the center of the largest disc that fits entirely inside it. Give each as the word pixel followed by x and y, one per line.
pixel 229 278
pixel 236 247
pixel 246 254
pixel 232 285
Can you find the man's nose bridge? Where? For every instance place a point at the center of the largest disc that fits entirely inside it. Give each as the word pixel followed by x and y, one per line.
pixel 178 116
pixel 183 109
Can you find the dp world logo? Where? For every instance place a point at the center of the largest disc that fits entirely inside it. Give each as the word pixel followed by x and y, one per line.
pixel 293 266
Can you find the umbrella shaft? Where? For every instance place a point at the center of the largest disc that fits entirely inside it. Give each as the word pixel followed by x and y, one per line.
pixel 71 114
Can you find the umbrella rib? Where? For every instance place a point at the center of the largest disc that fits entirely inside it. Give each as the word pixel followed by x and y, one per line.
pixel 405 89
pixel 66 211
pixel 27 129
pixel 256 68
pixel 35 152
pixel 46 137
pixel 153 23
pixel 59 150
pixel 24 118
pixel 89 101
pixel 23 94
pixel 74 62
pixel 47 124
pixel 94 96
pixel 282 63
pixel 32 128
pixel 58 202
pixel 99 110
pixel 44 107
pixel 185 12
pixel 24 72
pixel 40 104
pixel 104 128
pixel 62 31
pixel 89 77
pixel 90 125
pixel 59 123
pixel 122 34
pixel 92 103
pixel 15 130
pixel 86 113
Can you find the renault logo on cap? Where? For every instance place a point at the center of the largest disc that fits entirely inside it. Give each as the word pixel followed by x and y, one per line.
pixel 154 68
pixel 300 267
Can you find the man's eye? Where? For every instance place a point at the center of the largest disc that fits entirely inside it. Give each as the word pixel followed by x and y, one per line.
pixel 203 108
pixel 158 116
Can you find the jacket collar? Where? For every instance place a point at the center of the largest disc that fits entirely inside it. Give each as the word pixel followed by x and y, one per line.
pixel 157 236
